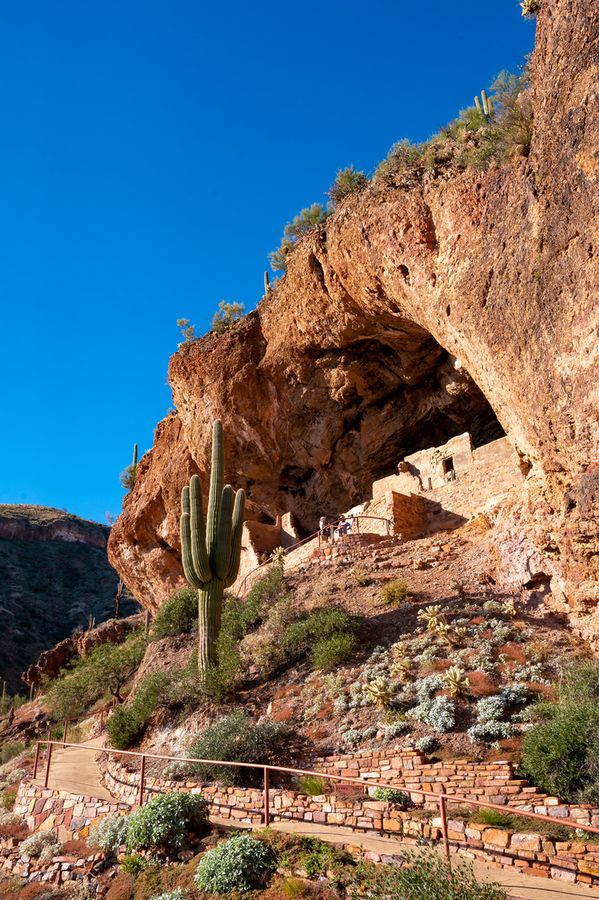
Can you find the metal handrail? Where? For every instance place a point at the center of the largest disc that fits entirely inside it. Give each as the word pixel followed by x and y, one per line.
pixel 330 525
pixel 441 798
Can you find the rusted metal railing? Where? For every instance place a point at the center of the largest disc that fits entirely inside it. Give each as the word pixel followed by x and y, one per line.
pixel 441 798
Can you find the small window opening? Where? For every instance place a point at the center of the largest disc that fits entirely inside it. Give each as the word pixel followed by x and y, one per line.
pixel 448 469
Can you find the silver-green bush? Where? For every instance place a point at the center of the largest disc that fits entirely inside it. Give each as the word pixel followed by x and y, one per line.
pixel 239 864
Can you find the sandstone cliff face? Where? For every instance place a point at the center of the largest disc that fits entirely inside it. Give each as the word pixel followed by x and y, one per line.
pixel 459 303
pixel 54 576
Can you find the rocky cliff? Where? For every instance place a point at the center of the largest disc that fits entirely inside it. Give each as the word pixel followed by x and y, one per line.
pixel 456 302
pixel 54 577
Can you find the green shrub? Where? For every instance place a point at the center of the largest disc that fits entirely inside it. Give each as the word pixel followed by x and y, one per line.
pixel 561 752
pixel 304 222
pixel 110 833
pixel 312 785
pixel 395 593
pixel 397 799
pixel 315 857
pixel 404 157
pixel 348 181
pixel 127 723
pixel 227 314
pixel 239 864
pixel 9 750
pixel 496 819
pixel 163 824
pixel 177 615
pixel 318 625
pixel 134 863
pixel 428 876
pixel 177 894
pixel 237 738
pixel 8 797
pixel 331 652
pixel 108 667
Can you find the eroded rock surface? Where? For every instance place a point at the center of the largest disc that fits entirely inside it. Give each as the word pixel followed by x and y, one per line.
pixel 457 303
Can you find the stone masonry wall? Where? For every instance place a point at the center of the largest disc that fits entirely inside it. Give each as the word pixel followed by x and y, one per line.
pixel 532 853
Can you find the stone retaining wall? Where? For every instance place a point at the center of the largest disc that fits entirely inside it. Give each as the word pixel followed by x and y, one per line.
pixel 533 853
pixel 495 782
pixel 69 815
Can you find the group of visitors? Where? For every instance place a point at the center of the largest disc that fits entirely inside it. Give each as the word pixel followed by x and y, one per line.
pixel 343 527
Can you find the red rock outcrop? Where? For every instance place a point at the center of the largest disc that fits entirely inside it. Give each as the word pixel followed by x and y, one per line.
pixel 414 314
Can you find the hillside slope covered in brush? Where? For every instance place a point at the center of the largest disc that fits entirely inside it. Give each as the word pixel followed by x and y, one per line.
pixel 54 578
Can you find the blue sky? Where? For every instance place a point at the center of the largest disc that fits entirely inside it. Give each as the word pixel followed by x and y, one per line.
pixel 150 156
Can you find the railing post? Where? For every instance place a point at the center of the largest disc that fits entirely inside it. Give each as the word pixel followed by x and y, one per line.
pixel 142 775
pixel 266 798
pixel 443 811
pixel 102 720
pixel 64 731
pixel 48 765
pixel 37 759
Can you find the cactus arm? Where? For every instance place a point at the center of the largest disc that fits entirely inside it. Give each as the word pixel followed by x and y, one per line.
pixel 237 530
pixel 198 533
pixel 217 480
pixel 188 567
pixel 222 550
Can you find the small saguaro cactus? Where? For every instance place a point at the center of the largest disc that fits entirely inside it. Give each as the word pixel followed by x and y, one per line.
pixel 486 107
pixel 211 552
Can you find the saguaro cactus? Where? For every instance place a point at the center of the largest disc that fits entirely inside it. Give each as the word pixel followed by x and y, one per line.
pixel 211 552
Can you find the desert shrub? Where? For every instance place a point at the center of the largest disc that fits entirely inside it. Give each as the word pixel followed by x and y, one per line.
pixel 397 799
pixel 178 615
pixel 427 744
pixel 127 722
pixel 238 738
pixel 494 818
pixel 107 667
pixel 134 863
pixel 402 158
pixel 110 833
pixel 177 894
pixel 312 785
pixel 163 824
pixel 121 887
pixel 304 222
pixel 315 857
pixel 427 877
pixel 9 750
pixel 320 628
pixel 227 314
pixel 438 713
pixel 331 652
pixel 239 864
pixel 395 593
pixel 8 797
pixel 351 737
pixel 561 752
pixel 348 181
pixel 42 844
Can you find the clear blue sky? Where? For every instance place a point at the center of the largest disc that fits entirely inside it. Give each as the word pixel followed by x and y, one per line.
pixel 150 155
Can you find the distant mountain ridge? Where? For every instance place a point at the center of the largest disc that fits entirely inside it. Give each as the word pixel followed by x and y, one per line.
pixel 54 578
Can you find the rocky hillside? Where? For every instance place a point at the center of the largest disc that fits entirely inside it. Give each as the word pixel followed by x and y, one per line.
pixel 54 576
pixel 448 301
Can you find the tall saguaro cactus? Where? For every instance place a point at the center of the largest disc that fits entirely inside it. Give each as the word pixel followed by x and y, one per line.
pixel 211 552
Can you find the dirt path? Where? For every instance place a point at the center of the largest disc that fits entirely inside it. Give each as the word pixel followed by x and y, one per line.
pixel 76 771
